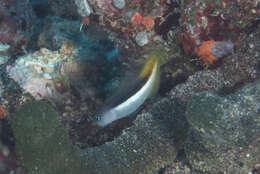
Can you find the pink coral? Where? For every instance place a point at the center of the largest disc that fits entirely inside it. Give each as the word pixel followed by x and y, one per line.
pixel 39 88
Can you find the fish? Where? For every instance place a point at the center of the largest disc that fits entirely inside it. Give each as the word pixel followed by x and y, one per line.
pixel 128 100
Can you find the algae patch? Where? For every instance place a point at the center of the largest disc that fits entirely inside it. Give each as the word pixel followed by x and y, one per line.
pixel 42 143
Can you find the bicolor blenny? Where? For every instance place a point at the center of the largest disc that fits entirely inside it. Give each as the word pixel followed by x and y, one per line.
pixel 129 99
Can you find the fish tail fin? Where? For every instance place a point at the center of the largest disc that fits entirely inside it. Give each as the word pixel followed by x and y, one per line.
pixel 156 58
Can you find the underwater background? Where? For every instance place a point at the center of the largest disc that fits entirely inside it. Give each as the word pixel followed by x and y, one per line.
pixel 185 74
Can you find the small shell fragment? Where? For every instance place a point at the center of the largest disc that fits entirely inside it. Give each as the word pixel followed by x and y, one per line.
pixel 221 49
pixel 120 4
pixel 141 38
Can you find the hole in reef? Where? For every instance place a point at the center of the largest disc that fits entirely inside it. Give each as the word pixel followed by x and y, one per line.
pixel 41 8
pixel 229 90
pixel 6 136
pixel 167 83
pixel 85 138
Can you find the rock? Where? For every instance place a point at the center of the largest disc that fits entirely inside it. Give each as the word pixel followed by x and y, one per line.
pixel 17 25
pixel 3 59
pixel 178 168
pixel 224 129
pixel 8 29
pixel 232 72
pixel 42 143
pixel 152 142
pixel 56 30
pixel 62 8
pixel 1 88
pixel 4 47
pixel 120 4
pixel 199 24
pixel 221 49
pixel 84 8
pixel 39 88
pixel 35 72
pixel 141 38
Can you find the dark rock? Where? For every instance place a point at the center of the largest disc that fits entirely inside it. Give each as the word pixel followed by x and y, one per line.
pixel 8 29
pixel 55 31
pixel 42 143
pixel 63 8
pixel 17 24
pixel 152 142
pixel 225 131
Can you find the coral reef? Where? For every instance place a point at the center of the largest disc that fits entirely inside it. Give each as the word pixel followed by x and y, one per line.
pixel 34 72
pixel 149 143
pixel 211 51
pixel 17 24
pixel 215 20
pixel 235 70
pixel 4 47
pixel 4 59
pixel 74 53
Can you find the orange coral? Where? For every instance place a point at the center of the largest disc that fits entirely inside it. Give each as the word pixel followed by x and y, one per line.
pixel 148 22
pixel 136 19
pixel 66 48
pixel 2 112
pixel 85 21
pixel 204 52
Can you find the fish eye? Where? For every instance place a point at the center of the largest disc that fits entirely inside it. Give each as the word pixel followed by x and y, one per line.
pixel 97 117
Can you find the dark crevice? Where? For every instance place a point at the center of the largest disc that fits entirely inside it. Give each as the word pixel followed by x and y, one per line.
pixel 167 83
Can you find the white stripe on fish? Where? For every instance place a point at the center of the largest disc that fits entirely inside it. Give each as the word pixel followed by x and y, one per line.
pixel 131 104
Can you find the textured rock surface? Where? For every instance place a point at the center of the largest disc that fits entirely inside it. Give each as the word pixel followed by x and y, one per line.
pixel 231 73
pixel 42 144
pixel 150 143
pixel 217 20
pixel 224 129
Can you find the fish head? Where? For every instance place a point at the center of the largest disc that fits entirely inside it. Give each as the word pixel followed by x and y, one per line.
pixel 105 118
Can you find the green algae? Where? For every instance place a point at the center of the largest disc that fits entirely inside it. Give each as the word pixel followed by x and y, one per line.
pixel 42 143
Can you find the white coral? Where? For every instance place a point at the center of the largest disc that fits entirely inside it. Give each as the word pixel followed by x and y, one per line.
pixel 84 8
